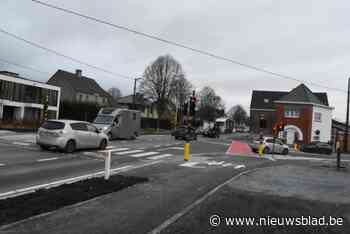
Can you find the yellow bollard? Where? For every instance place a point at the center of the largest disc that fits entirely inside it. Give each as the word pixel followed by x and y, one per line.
pixel 187 151
pixel 261 150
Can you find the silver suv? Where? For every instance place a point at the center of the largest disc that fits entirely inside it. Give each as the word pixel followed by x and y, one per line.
pixel 70 135
pixel 269 147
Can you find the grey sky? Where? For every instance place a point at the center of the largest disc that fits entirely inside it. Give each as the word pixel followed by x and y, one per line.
pixel 308 40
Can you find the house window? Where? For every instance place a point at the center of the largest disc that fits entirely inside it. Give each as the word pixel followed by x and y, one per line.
pixel 266 100
pixel 291 113
pixel 80 97
pixel 318 117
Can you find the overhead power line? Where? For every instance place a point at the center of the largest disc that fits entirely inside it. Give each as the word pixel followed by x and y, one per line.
pixel 37 45
pixel 210 54
pixel 22 66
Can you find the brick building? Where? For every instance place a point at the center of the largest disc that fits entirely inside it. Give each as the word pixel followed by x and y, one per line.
pixel 306 116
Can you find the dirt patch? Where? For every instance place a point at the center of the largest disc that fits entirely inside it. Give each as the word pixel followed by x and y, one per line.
pixel 45 200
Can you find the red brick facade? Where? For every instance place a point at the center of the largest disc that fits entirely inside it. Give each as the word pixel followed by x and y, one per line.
pixel 304 122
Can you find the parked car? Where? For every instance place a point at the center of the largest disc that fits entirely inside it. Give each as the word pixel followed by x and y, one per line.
pixel 185 133
pixel 270 147
pixel 69 135
pixel 317 147
pixel 211 132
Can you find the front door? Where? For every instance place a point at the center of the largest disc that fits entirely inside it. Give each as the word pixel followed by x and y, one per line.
pixel 290 136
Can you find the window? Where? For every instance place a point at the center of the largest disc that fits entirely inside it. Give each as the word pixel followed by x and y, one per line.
pixel 266 100
pixel 53 125
pixel 318 117
pixel 79 126
pixel 92 128
pixel 291 113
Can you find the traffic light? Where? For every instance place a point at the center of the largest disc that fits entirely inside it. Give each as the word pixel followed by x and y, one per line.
pixel 185 108
pixel 193 106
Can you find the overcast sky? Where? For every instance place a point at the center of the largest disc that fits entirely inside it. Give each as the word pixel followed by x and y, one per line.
pixel 308 40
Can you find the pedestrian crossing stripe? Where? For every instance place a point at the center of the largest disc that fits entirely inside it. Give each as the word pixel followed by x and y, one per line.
pixel 144 154
pixel 128 152
pixel 160 156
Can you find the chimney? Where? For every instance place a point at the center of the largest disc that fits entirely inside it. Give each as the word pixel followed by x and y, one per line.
pixel 78 73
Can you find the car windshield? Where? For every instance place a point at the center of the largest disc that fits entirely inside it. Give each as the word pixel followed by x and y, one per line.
pixel 52 125
pixel 103 119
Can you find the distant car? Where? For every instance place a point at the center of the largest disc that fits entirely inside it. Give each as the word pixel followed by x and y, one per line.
pixel 184 133
pixel 317 147
pixel 269 147
pixel 69 135
pixel 211 132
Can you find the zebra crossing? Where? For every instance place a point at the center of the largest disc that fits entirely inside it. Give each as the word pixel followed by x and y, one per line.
pixel 133 153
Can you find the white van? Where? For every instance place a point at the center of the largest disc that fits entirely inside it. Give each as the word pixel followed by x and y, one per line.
pixel 119 123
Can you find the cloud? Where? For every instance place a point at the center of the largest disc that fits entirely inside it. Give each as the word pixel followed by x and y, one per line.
pixel 304 39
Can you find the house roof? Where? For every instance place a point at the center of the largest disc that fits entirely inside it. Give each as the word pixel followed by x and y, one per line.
pixel 262 99
pixel 81 84
pixel 301 94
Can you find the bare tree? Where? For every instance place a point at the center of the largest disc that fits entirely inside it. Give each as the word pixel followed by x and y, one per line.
pixel 183 89
pixel 158 84
pixel 115 93
pixel 238 115
pixel 211 105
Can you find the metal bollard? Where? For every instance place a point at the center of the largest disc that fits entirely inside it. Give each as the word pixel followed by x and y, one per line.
pixel 187 151
pixel 108 165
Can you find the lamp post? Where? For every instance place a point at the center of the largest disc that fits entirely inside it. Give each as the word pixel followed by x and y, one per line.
pixel 134 96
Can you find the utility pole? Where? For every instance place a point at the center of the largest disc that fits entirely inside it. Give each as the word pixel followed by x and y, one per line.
pixel 134 96
pixel 346 135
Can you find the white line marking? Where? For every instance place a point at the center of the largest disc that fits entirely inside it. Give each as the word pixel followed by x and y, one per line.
pixel 118 149
pixel 191 164
pixel 143 154
pixel 31 189
pixel 46 159
pixel 2 164
pixel 129 152
pixel 160 156
pixel 110 147
pixel 239 166
pixel 215 143
pixel 21 143
pixel 184 211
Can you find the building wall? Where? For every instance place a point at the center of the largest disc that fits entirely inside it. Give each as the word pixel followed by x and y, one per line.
pixel 91 98
pixel 67 92
pixel 325 126
pixel 304 122
pixel 269 116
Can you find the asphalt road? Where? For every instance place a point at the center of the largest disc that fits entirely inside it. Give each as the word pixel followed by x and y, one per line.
pixel 173 187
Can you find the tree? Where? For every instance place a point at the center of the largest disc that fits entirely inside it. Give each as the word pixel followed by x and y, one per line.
pixel 183 89
pixel 238 115
pixel 115 93
pixel 159 83
pixel 210 105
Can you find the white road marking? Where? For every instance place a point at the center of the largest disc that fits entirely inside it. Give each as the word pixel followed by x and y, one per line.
pixel 129 152
pixel 110 147
pixel 215 163
pixel 46 159
pixel 227 164
pixel 143 154
pixel 2 164
pixel 160 156
pixel 215 143
pixel 187 209
pixel 191 164
pixel 31 189
pixel 239 166
pixel 21 143
pixel 171 148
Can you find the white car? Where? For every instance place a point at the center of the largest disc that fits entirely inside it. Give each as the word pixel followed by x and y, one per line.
pixel 69 135
pixel 270 147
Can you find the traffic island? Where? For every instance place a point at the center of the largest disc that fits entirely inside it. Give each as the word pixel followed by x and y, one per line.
pixel 46 200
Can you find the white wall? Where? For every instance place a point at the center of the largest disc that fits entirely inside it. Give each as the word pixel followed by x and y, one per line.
pixel 325 126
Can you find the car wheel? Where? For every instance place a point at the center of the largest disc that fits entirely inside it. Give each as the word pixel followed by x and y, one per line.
pixel 110 137
pixel 103 144
pixel 266 150
pixel 285 152
pixel 70 146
